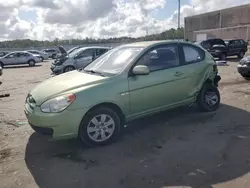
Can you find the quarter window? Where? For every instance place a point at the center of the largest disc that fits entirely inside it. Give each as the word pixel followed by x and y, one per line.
pixel 192 54
pixel 160 58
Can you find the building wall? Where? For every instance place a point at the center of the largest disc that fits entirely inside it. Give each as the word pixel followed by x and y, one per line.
pixel 228 23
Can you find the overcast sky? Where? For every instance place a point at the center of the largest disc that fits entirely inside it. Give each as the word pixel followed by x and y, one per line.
pixel 66 19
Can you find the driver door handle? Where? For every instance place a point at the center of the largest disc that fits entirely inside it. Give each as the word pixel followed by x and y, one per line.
pixel 178 73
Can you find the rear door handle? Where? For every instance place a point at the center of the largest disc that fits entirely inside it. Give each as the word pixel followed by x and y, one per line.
pixel 178 74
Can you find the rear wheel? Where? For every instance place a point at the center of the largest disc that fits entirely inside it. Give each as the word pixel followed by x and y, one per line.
pixel 68 69
pixel 100 126
pixel 42 59
pixel 223 56
pixel 31 63
pixel 241 54
pixel 209 98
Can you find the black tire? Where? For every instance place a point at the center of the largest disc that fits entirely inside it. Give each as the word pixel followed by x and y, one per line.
pixel 87 123
pixel 247 77
pixel 1 64
pixel 32 63
pixel 206 105
pixel 68 68
pixel 53 56
pixel 223 56
pixel 241 54
pixel 42 59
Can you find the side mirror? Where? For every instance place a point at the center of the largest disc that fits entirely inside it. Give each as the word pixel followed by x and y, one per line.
pixel 140 70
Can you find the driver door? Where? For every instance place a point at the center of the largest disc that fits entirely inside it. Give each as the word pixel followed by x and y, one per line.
pixel 10 59
pixel 84 58
pixel 163 86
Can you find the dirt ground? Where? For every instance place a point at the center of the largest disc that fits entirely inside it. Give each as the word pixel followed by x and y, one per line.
pixel 178 148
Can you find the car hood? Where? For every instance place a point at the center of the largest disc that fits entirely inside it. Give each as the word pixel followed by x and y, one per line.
pixel 63 83
pixel 62 50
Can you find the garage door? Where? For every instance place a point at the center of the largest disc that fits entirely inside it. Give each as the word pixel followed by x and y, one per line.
pixel 201 36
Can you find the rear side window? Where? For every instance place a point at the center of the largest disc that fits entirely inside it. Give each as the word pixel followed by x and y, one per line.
pixel 242 42
pixel 193 54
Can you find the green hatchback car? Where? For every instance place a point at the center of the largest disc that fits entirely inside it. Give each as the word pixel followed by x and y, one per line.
pixel 129 82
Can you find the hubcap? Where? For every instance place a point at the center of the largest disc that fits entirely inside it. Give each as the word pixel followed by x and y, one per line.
pixel 211 98
pixel 101 128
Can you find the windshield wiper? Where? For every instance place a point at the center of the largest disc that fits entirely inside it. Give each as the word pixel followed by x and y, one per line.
pixel 94 72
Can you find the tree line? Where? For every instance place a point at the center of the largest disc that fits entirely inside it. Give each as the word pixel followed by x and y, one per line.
pixel 170 34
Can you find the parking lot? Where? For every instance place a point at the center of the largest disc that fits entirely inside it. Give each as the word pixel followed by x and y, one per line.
pixel 176 148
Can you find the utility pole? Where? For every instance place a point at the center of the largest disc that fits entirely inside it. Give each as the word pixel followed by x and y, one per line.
pixel 179 9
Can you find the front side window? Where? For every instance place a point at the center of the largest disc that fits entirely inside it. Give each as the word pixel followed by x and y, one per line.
pixel 192 54
pixel 12 55
pixel 114 61
pixel 86 53
pixel 160 58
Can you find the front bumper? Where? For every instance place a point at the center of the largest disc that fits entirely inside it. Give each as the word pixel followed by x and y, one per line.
pixel 244 69
pixel 217 79
pixel 56 69
pixel 62 125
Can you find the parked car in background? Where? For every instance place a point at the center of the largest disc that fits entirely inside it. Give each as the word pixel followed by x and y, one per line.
pixel 222 49
pixel 44 56
pixel 77 59
pixel 236 47
pixel 51 52
pixel 19 58
pixel 244 67
pixel 126 83
pixel 3 53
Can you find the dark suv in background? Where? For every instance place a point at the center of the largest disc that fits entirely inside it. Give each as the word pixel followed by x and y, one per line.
pixel 221 49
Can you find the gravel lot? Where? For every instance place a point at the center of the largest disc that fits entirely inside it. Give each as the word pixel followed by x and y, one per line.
pixel 176 148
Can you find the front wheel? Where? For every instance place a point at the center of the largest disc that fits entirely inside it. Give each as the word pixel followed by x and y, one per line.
pixel 68 69
pixel 241 55
pixel 100 126
pixel 209 98
pixel 32 63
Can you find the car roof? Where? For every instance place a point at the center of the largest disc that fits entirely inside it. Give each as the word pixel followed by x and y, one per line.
pixel 152 43
pixel 19 52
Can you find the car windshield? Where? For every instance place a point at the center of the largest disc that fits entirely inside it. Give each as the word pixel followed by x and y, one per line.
pixel 114 61
pixel 72 50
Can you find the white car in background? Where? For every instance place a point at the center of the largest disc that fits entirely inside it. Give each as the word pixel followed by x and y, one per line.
pixel 44 56
pixel 19 58
pixel 52 53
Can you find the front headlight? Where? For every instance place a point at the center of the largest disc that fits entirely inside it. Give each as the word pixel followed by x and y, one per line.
pixel 58 104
